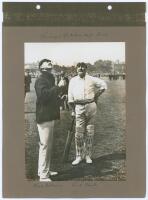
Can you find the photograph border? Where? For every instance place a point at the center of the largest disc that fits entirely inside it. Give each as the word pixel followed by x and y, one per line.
pixel 13 125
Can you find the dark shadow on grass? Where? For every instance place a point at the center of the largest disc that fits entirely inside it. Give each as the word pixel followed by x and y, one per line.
pixel 101 166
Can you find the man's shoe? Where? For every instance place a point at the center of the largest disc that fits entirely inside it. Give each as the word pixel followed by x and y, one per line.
pixel 77 160
pixel 51 173
pixel 45 180
pixel 88 159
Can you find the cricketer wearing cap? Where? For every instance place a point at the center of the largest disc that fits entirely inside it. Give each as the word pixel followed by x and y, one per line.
pixel 47 111
pixel 83 92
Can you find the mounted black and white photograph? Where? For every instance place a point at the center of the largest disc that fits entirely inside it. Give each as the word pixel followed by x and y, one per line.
pixel 75 111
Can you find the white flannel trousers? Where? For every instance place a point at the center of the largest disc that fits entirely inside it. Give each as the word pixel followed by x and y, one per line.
pixel 45 148
pixel 84 134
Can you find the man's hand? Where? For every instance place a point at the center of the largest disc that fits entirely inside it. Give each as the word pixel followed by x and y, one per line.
pixel 72 107
pixel 62 83
pixel 73 114
pixel 63 97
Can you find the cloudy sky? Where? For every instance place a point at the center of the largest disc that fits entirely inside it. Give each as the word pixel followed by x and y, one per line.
pixel 70 53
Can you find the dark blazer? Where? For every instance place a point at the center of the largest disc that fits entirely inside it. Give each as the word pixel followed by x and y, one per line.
pixel 47 104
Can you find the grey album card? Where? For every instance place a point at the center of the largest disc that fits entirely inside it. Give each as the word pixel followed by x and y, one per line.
pixel 74 100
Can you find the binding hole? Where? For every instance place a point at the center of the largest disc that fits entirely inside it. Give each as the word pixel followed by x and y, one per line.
pixel 109 7
pixel 38 7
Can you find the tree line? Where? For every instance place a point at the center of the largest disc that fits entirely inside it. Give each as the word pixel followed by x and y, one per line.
pixel 99 67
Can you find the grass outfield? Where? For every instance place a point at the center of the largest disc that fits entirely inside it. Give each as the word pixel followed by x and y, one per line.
pixel 109 143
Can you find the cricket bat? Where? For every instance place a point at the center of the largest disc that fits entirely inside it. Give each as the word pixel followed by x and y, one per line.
pixel 68 141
